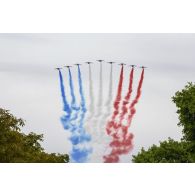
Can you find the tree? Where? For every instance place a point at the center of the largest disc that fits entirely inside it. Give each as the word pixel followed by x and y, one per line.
pixel 168 152
pixel 174 151
pixel 185 102
pixel 17 147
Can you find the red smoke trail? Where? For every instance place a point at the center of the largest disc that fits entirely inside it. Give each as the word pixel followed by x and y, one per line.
pixel 135 101
pixel 127 97
pixel 118 97
pixel 122 140
pixel 112 123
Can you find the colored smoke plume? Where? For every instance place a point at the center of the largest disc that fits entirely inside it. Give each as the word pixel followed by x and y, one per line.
pixel 135 101
pixel 112 122
pixel 127 97
pixel 122 139
pixel 80 152
pixel 65 119
pixel 108 105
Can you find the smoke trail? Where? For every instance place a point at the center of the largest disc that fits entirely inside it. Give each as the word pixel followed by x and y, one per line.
pixel 69 120
pixel 100 92
pixel 112 122
pixel 111 125
pixel 108 105
pixel 95 121
pixel 73 102
pixel 83 104
pixel 62 88
pixel 124 144
pixel 119 146
pixel 127 97
pixel 100 97
pixel 122 139
pixel 91 106
pixel 118 98
pixel 100 139
pixel 74 107
pixel 135 101
pixel 80 152
pixel 66 108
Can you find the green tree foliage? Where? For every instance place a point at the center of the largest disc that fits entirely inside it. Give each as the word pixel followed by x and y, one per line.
pixel 168 152
pixel 17 147
pixel 185 102
pixel 173 151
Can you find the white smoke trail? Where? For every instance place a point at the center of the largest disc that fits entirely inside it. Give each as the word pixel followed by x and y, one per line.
pixel 108 108
pixel 99 104
pixel 102 139
pixel 91 107
pixel 95 121
pixel 91 110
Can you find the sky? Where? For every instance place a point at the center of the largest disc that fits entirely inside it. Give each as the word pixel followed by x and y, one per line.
pixel 30 85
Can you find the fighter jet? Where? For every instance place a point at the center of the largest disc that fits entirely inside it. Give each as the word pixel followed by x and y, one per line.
pixel 122 64
pixel 111 62
pixel 89 62
pixel 100 60
pixel 143 67
pixel 77 64
pixel 58 68
pixel 68 67
pixel 133 66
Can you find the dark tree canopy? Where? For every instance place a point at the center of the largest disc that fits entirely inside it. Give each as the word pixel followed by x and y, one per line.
pixel 185 102
pixel 173 151
pixel 17 147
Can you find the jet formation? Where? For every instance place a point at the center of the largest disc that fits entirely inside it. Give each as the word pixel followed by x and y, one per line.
pixel 121 64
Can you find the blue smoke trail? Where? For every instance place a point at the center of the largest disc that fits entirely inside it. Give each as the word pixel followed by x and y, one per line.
pixel 79 136
pixel 66 108
pixel 74 106
pixel 80 153
pixel 73 102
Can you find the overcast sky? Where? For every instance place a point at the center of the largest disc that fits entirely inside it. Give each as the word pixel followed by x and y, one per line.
pixel 30 85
